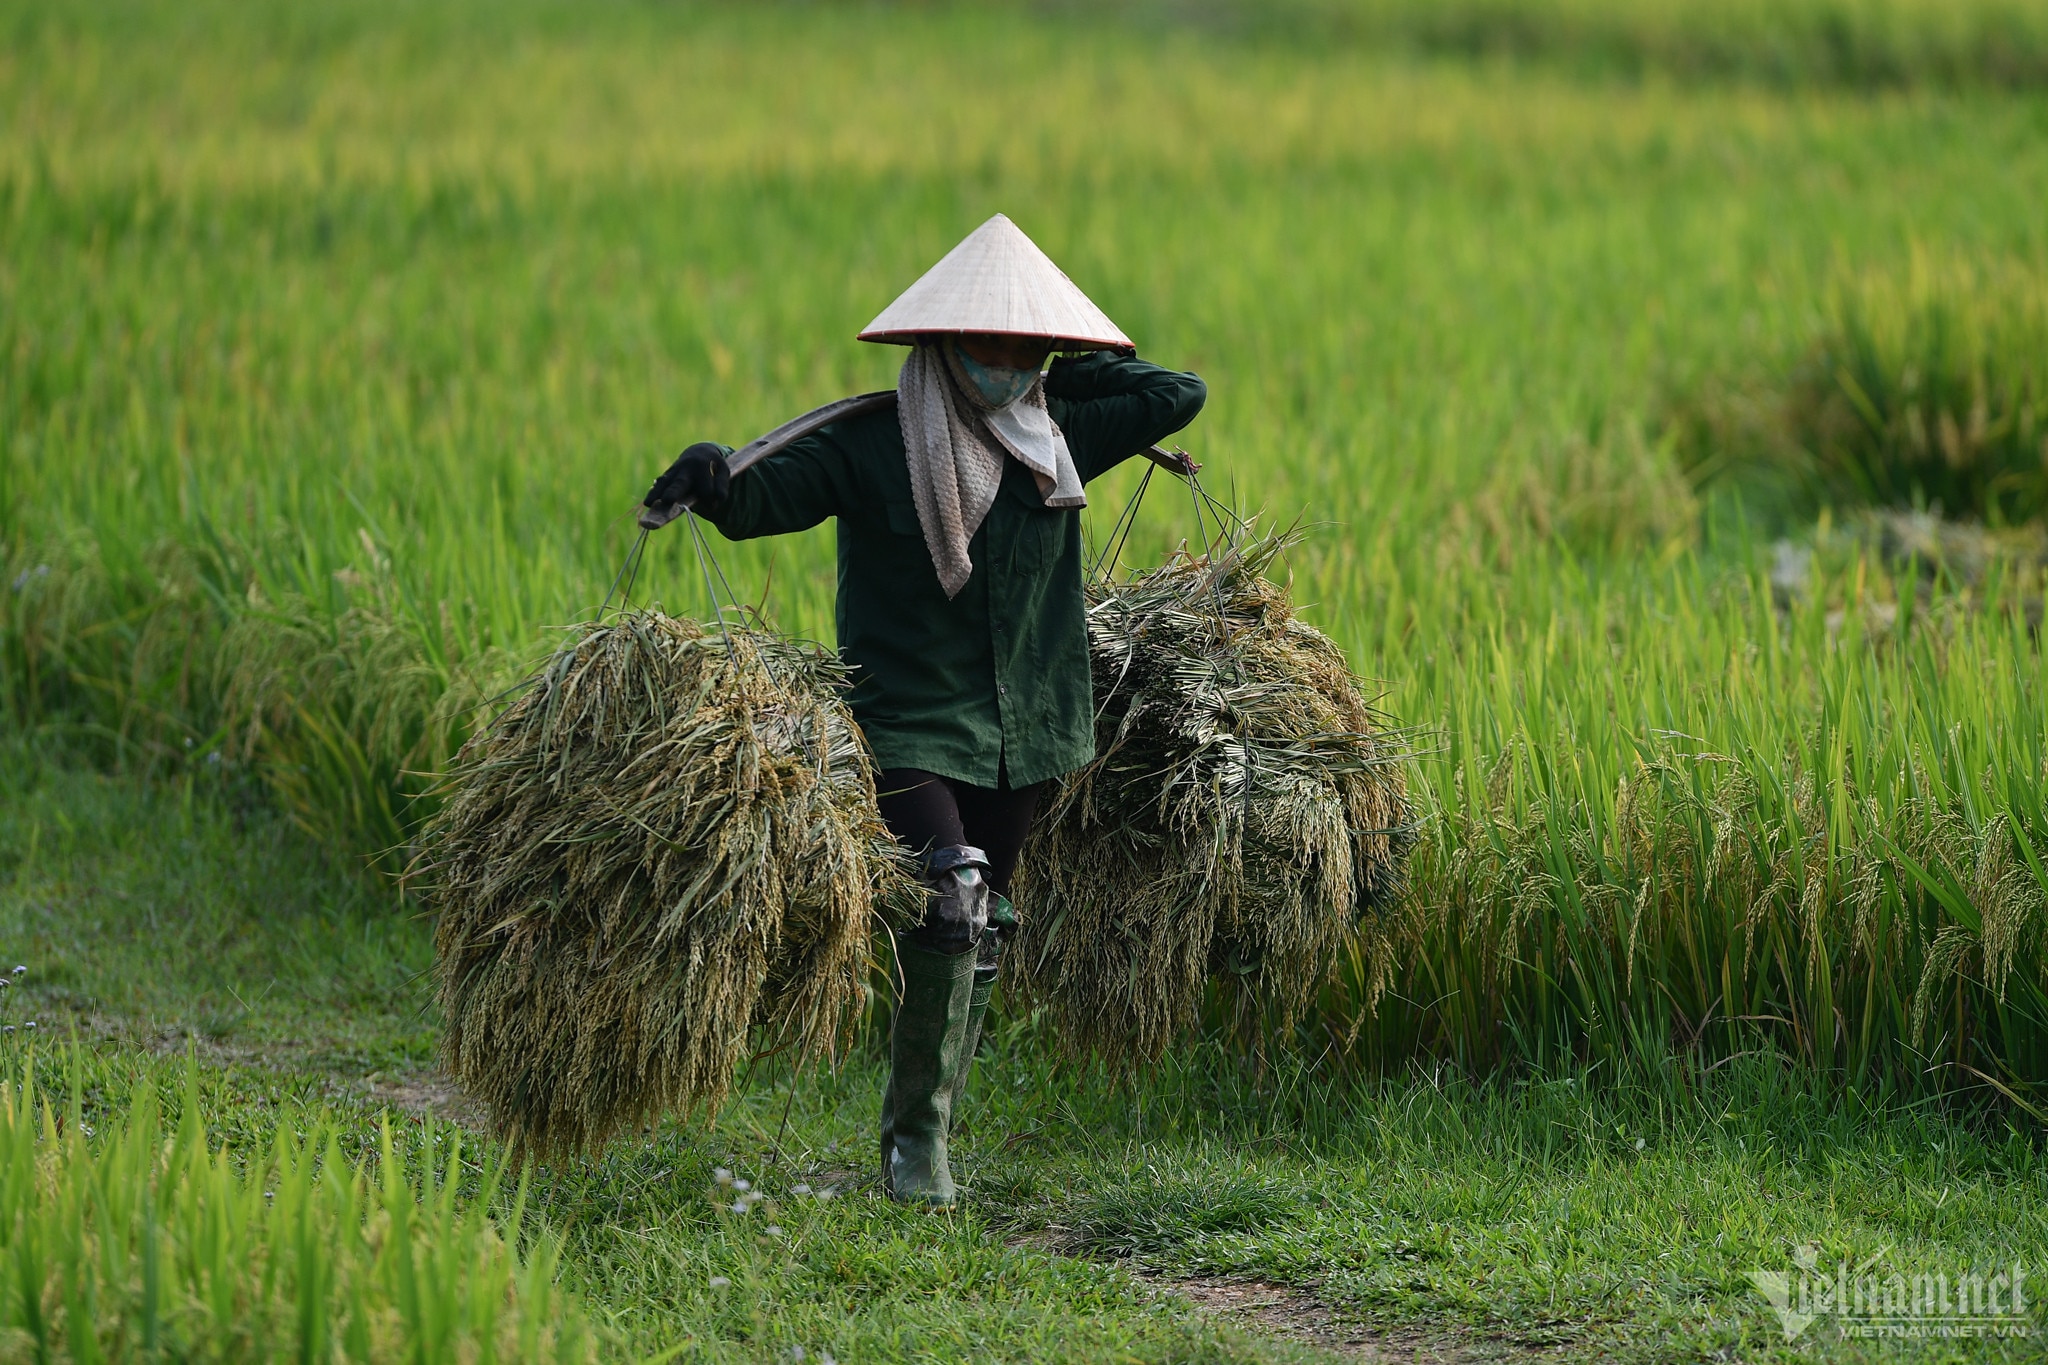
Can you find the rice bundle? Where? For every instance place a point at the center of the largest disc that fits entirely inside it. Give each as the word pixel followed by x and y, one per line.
pixel 1245 814
pixel 668 845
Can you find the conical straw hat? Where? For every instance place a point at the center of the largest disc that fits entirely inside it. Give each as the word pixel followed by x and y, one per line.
pixel 996 281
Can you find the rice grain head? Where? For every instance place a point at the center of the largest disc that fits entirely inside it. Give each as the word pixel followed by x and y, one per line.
pixel 1246 814
pixel 666 847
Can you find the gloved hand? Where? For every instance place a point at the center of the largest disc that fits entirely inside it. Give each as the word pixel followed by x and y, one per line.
pixel 956 900
pixel 698 477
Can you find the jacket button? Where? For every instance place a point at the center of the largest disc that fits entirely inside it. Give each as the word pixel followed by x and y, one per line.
pixel 1003 688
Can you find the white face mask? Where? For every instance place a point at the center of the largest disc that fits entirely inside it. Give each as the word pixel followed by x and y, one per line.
pixel 996 385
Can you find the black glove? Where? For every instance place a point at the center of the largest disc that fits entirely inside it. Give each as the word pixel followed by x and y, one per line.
pixel 699 477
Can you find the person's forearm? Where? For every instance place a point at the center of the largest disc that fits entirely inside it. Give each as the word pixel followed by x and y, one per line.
pixel 1102 374
pixel 789 491
pixel 1112 408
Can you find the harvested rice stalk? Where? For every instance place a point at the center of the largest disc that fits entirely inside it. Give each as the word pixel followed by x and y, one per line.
pixel 1246 814
pixel 666 846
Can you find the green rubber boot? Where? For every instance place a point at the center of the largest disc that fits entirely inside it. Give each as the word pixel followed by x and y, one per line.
pixel 928 1054
pixel 988 965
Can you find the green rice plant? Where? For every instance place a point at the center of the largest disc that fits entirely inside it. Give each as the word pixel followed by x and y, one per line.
pixel 1931 392
pixel 115 649
pixel 344 705
pixel 667 843
pixel 1922 390
pixel 127 1242
pixel 351 708
pixel 1830 867
pixel 1858 43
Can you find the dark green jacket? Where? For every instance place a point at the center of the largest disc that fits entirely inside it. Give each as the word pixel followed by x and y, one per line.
pixel 995 681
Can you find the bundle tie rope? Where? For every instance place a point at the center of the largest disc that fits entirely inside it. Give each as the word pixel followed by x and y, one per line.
pixel 634 554
pixel 1230 527
pixel 707 564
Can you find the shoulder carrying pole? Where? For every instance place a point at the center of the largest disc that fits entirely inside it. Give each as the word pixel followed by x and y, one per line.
pixel 796 428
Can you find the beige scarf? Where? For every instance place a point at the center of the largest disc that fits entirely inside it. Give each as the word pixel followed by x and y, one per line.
pixel 955 443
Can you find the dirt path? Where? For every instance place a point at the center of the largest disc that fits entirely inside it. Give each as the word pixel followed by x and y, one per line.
pixel 429 1093
pixel 1297 1315
pixel 423 1093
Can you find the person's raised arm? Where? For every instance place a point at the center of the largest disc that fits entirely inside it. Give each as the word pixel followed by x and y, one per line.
pixel 1113 406
pixel 792 490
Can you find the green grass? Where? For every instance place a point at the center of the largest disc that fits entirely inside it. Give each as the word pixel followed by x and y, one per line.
pixel 1865 44
pixel 164 919
pixel 1563 1211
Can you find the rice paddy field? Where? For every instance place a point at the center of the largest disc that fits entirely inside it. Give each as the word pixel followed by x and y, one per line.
pixel 1661 388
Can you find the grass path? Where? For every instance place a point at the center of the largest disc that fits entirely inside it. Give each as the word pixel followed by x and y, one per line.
pixel 1206 1215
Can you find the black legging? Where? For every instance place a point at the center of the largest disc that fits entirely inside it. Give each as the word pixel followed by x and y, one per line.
pixel 925 811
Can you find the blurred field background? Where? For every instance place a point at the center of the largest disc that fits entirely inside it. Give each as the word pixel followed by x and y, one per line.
pixel 1665 386
pixel 340 343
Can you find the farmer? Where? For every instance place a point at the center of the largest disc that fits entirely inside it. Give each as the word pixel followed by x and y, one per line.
pixel 960 609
